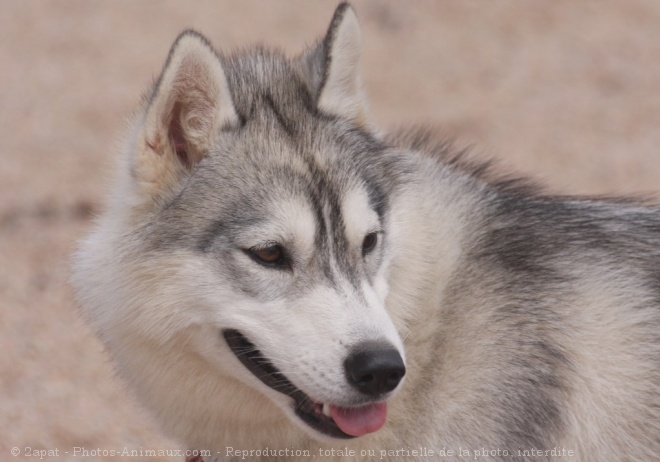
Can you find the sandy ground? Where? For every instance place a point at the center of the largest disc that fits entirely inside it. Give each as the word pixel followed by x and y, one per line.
pixel 568 92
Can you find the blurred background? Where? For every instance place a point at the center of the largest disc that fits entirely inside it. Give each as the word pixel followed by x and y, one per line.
pixel 567 92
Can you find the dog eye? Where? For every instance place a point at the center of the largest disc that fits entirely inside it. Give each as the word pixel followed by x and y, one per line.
pixel 271 256
pixel 369 243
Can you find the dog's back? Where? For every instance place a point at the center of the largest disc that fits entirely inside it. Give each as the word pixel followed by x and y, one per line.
pixel 547 335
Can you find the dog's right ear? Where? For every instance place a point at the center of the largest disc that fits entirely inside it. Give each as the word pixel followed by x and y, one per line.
pixel 332 68
pixel 189 107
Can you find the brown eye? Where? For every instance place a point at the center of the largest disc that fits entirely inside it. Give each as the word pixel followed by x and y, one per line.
pixel 369 243
pixel 272 256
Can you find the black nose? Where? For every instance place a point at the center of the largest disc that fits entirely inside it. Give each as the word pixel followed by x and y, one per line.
pixel 374 370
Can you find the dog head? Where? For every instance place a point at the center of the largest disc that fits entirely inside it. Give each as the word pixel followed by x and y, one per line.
pixel 254 219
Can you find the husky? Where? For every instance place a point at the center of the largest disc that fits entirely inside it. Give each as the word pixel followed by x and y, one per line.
pixel 278 279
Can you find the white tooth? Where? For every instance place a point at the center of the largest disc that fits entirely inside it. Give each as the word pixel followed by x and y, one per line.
pixel 326 410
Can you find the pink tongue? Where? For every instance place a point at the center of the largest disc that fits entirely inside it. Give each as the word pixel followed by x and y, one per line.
pixel 358 421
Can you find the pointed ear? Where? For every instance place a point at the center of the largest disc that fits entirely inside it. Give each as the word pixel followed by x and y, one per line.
pixel 333 67
pixel 189 106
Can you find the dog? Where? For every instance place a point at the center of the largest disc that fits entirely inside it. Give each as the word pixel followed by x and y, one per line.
pixel 278 279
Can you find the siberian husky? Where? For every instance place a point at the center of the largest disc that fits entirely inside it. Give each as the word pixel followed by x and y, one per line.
pixel 278 279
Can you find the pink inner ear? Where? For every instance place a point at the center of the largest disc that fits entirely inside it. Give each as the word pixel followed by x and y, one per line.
pixel 176 136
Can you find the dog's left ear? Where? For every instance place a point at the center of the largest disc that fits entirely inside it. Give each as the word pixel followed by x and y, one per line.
pixel 190 106
pixel 332 68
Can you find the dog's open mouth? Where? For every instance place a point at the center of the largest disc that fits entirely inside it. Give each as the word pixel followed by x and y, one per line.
pixel 334 421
